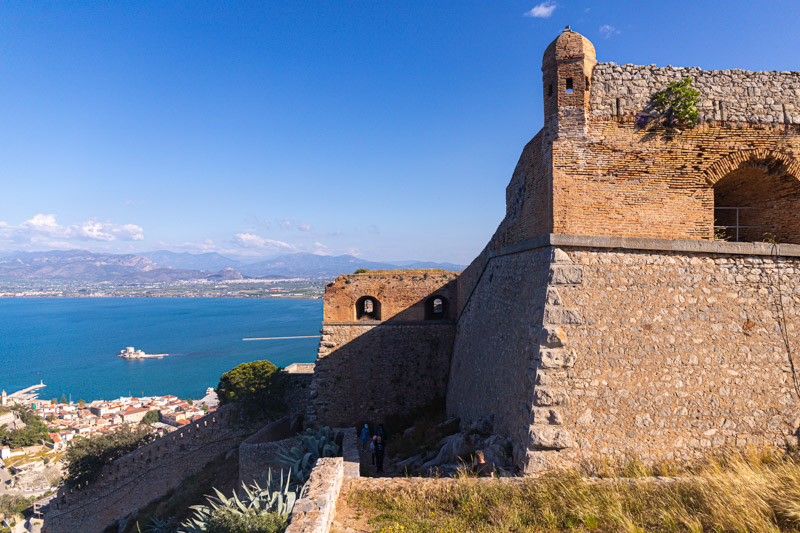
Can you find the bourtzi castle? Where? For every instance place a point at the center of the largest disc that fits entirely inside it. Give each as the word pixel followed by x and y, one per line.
pixel 628 301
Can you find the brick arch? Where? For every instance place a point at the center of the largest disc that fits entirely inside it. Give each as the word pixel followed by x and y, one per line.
pixel 770 161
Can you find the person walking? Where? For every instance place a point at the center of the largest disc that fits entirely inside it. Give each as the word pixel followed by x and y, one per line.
pixel 372 447
pixel 379 451
pixel 381 432
pixel 364 437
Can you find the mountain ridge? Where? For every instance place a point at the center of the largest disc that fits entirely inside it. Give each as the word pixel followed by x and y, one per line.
pixel 81 265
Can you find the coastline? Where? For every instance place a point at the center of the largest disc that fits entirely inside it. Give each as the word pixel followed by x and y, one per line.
pixel 71 343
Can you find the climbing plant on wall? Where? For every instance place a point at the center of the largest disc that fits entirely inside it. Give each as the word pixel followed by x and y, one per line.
pixel 678 103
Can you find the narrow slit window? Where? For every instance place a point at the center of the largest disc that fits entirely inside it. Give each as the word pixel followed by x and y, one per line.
pixel 550 90
pixel 569 85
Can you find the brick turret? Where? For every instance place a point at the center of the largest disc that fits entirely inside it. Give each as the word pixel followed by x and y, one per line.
pixel 566 74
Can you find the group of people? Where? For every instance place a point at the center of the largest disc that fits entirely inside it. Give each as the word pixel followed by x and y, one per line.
pixel 375 443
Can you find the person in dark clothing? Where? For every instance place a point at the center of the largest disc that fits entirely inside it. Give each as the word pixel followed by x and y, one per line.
pixel 480 467
pixel 381 432
pixel 372 447
pixel 379 451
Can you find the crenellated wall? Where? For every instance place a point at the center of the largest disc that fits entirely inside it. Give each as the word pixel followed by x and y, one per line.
pixel 143 475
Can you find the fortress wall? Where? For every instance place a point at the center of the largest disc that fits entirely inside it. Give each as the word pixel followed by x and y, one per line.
pixel 661 353
pixel 401 293
pixel 365 373
pixel 766 97
pixel 623 180
pixel 494 343
pixel 676 352
pixel 134 480
pixel 368 370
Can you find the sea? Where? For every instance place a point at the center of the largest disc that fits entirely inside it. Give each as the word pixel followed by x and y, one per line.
pixel 70 344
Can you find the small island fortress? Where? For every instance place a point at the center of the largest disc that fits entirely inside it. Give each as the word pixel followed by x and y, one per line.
pixel 640 296
pixel 131 353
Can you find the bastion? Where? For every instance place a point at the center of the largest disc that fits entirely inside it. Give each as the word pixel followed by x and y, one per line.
pixel 640 295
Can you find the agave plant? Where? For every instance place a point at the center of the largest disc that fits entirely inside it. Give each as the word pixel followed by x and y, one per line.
pixel 156 525
pixel 277 497
pixel 313 444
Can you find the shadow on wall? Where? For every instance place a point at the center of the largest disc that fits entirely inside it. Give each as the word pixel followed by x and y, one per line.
pixel 371 369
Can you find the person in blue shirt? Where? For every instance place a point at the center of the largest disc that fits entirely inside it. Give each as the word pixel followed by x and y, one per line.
pixel 364 437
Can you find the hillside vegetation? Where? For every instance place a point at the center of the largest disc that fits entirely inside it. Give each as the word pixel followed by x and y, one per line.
pixel 754 491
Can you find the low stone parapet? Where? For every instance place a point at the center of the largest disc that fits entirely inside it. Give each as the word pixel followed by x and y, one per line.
pixel 313 513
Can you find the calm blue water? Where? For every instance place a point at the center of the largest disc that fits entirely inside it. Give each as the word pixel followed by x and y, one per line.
pixel 71 343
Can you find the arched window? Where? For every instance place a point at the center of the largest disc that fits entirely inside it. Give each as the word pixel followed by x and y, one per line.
pixel 436 308
pixel 368 308
pixel 752 203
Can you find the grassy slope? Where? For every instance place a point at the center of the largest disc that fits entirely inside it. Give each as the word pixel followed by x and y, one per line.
pixel 754 491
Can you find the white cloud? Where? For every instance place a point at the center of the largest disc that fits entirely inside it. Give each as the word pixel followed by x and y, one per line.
pixel 542 11
pixel 286 223
pixel 304 227
pixel 45 230
pixel 321 249
pixel 251 240
pixel 606 30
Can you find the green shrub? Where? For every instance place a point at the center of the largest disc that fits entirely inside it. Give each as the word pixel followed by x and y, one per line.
pixel 258 389
pixel 678 102
pixel 34 431
pixel 227 520
pixel 150 418
pixel 86 457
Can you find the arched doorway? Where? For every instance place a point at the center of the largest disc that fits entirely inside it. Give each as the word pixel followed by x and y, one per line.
pixel 368 308
pixel 757 200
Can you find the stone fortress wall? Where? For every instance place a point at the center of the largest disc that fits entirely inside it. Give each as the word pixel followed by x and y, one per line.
pixel 613 332
pixel 390 363
pixel 143 475
pixel 603 317
pixel 605 347
pixel 726 95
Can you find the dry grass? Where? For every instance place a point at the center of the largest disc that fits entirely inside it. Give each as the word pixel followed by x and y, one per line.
pixel 753 491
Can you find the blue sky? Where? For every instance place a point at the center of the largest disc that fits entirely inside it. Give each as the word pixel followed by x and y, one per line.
pixel 385 129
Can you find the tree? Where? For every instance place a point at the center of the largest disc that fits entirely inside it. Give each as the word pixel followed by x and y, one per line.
pixel 54 401
pixel 86 457
pixel 258 388
pixel 64 399
pixel 150 418
pixel 81 404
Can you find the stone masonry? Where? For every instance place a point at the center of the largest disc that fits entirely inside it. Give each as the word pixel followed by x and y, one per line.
pixel 369 369
pixel 611 312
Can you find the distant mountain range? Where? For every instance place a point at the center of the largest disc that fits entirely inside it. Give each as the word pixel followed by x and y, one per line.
pixel 165 266
pixel 210 262
pixel 79 265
